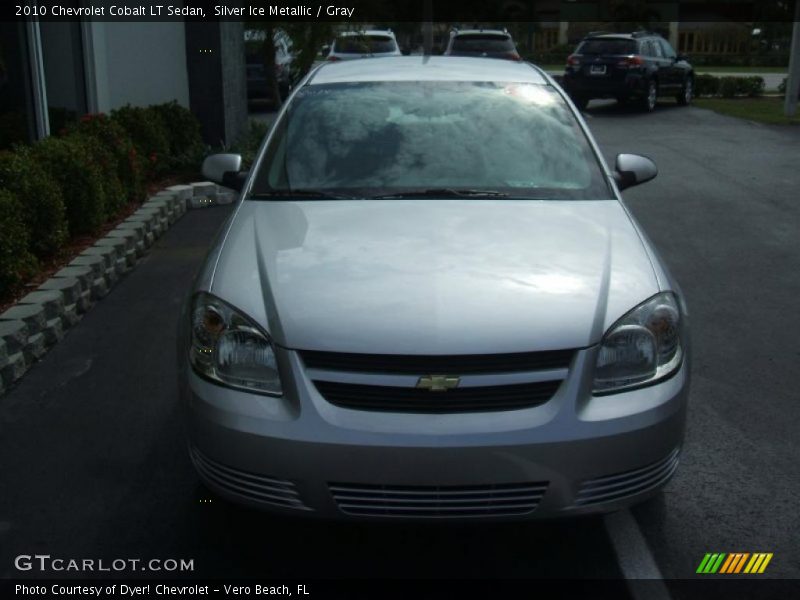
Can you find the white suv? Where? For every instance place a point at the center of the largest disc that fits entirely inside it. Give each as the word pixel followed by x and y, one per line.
pixel 364 44
pixel 487 43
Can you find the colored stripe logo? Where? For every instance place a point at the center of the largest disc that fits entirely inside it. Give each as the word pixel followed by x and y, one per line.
pixel 734 562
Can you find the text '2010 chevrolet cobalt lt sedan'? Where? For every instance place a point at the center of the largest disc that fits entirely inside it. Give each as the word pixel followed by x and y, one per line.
pixel 431 302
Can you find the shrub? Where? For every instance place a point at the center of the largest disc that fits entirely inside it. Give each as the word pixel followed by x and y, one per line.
pixel 557 55
pixel 706 85
pixel 186 147
pixel 247 145
pixel 41 200
pixel 148 133
pixel 112 136
pixel 751 86
pixel 61 118
pixel 16 262
pixel 12 129
pixel 72 166
pixel 104 158
pixel 728 87
pixel 114 195
pixel 181 126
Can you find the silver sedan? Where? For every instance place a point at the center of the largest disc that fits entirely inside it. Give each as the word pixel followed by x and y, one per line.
pixel 431 302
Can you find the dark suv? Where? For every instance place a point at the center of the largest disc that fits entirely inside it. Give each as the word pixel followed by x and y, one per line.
pixel 637 67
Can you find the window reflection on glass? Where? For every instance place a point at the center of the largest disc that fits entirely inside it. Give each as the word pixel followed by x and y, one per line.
pixel 16 114
pixel 520 139
pixel 62 57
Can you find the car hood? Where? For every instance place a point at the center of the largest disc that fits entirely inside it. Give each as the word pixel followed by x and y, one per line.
pixel 433 277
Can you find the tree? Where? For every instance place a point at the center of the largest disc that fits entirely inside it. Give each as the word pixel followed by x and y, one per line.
pixel 632 13
pixel 307 38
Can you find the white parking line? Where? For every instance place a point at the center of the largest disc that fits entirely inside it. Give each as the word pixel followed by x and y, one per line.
pixel 634 557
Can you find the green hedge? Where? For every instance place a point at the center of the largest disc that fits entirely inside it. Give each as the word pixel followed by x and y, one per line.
pixel 16 262
pixel 728 87
pixel 42 202
pixel 72 183
pixel 148 133
pixel 71 163
pixel 557 55
pixel 128 163
pixel 183 129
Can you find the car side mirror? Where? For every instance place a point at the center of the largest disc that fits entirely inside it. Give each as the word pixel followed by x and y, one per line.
pixel 682 57
pixel 633 169
pixel 225 169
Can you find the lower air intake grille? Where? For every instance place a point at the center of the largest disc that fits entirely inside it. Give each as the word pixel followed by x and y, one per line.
pixel 258 488
pixel 621 485
pixel 438 501
pixel 417 400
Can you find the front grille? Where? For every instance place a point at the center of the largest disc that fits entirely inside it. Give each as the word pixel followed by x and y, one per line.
pixel 417 400
pixel 420 364
pixel 258 488
pixel 621 485
pixel 438 501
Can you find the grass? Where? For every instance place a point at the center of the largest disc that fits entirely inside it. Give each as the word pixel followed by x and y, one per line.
pixel 713 69
pixel 762 110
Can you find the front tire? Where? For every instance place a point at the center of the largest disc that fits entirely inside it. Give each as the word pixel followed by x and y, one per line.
pixel 648 101
pixel 686 94
pixel 580 102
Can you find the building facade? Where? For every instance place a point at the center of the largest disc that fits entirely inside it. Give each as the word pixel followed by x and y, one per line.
pixel 52 73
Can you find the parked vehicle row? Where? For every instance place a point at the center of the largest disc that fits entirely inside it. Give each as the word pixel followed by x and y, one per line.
pixel 635 68
pixel 488 43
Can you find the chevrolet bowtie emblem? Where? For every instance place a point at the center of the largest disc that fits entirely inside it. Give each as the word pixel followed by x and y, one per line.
pixel 438 383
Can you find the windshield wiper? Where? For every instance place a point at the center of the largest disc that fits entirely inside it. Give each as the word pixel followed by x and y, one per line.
pixel 301 193
pixel 442 193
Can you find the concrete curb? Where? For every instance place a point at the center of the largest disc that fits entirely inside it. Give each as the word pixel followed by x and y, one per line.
pixel 41 319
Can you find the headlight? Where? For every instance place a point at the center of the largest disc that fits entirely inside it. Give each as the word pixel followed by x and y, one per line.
pixel 227 347
pixel 642 347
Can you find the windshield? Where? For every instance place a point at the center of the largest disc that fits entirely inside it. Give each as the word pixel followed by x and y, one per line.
pixel 377 139
pixel 364 44
pixel 608 46
pixel 483 43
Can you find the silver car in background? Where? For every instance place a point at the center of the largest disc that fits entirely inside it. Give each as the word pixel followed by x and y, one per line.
pixel 431 302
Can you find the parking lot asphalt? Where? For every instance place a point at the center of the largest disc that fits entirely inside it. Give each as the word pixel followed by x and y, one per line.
pixel 94 464
pixel 93 460
pixel 724 214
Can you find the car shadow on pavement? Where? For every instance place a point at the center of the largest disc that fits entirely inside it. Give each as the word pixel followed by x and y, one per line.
pixel 612 108
pixel 255 542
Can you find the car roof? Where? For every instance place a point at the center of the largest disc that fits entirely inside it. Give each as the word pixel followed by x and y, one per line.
pixel 459 32
pixel 385 32
pixel 621 36
pixel 427 68
pixel 606 36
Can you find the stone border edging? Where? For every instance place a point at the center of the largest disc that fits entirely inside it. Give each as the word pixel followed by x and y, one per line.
pixel 37 322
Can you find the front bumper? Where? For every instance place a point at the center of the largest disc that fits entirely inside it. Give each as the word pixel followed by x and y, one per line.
pixel 299 454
